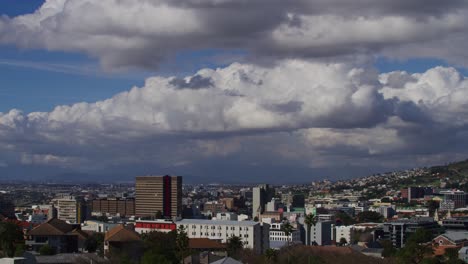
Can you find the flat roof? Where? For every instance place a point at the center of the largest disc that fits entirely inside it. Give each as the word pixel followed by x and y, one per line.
pixel 217 222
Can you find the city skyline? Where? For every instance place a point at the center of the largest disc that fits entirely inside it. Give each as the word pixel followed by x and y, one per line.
pixel 235 92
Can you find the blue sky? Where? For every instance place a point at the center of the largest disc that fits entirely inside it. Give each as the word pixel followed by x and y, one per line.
pixel 38 80
pixel 303 115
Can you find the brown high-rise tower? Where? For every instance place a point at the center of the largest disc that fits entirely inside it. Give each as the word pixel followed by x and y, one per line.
pixel 158 193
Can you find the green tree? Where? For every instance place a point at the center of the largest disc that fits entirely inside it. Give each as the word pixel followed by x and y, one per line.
pixel 159 215
pixel 287 229
pixel 343 241
pixel 344 218
pixel 451 255
pixel 151 257
pixel 388 249
pixel 234 246
pixel 46 250
pixel 416 248
pixel 369 216
pixel 271 255
pixel 10 236
pixel 309 221
pixel 161 243
pixel 182 243
pixel 94 243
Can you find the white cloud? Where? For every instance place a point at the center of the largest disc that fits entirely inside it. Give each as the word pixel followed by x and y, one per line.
pixel 297 113
pixel 141 33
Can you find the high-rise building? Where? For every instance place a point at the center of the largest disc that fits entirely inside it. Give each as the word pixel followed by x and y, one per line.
pixel 7 208
pixel 114 206
pixel 67 210
pixel 155 194
pixel 260 196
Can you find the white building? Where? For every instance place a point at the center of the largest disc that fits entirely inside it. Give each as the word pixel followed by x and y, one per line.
pixel 321 233
pixel 67 210
pixel 278 238
pixel 97 226
pixel 343 232
pixel 272 206
pixel 253 234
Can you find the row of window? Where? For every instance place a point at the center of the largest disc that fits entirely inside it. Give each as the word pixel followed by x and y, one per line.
pixel 220 227
pixel 213 234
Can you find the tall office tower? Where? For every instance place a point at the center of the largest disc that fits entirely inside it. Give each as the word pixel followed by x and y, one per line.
pixel 260 196
pixel 158 193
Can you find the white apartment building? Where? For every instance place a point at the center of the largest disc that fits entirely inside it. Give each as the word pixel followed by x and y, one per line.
pixel 253 234
pixel 343 232
pixel 67 210
pixel 321 233
pixel 278 238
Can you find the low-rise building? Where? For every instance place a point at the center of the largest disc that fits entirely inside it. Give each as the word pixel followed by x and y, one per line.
pixel 97 226
pixel 278 237
pixel 61 236
pixel 253 234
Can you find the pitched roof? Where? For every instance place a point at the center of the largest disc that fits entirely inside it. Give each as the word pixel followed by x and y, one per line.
pixel 53 227
pixel 205 243
pixel 121 234
pixel 455 237
pixel 82 234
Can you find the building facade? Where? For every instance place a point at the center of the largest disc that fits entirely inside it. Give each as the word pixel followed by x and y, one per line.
pixel 457 197
pixel 278 237
pixel 155 194
pixel 160 225
pixel 67 209
pixel 343 232
pixel 253 234
pixel 399 231
pixel 114 206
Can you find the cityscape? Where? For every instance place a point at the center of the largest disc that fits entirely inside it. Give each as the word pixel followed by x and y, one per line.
pixel 372 219
pixel 233 132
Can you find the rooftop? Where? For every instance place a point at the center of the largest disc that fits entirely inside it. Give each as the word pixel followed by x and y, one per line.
pixel 216 222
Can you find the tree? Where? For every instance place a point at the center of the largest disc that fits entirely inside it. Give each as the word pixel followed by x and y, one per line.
pixel 310 220
pixel 234 246
pixel 151 257
pixel 343 218
pixel 46 250
pixel 343 241
pixel 416 247
pixel 158 215
pixel 10 236
pixel 271 255
pixel 94 243
pixel 388 249
pixel 451 254
pixel 369 216
pixel 182 243
pixel 161 243
pixel 287 229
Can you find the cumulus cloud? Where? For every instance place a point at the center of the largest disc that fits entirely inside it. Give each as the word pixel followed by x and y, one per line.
pixel 298 113
pixel 145 33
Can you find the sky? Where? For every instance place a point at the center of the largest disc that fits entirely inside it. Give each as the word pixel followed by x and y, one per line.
pixel 230 91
